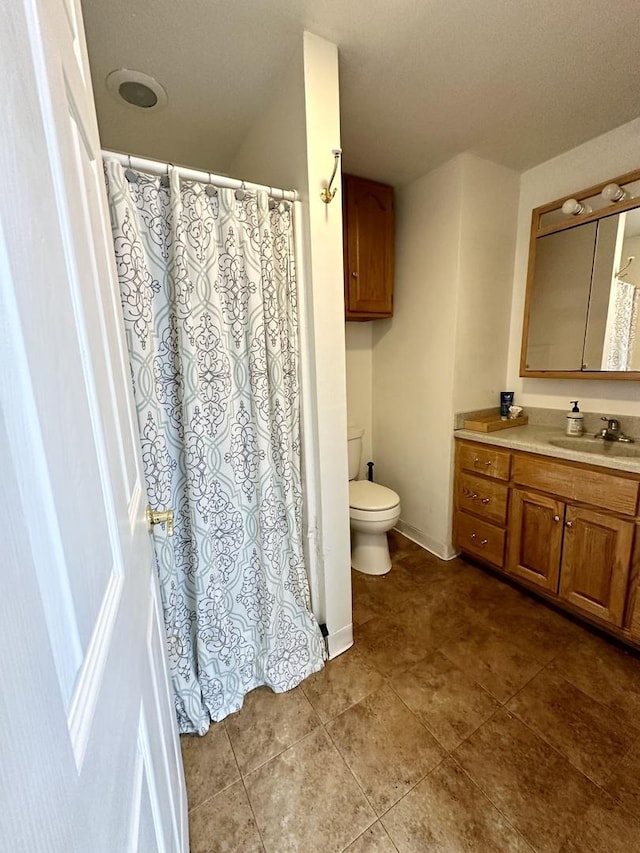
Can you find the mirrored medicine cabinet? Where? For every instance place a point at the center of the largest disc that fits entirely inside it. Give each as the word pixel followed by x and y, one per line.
pixel 583 285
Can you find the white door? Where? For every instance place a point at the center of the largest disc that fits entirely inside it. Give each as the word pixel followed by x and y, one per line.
pixel 89 752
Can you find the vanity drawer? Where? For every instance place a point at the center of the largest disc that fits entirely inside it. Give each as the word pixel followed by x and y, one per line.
pixel 480 538
pixel 482 497
pixel 484 460
pixel 578 483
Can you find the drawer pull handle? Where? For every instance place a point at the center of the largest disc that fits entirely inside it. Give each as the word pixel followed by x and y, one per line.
pixel 486 500
pixel 473 497
pixel 474 536
pixel 477 461
pixel 556 518
pixel 569 524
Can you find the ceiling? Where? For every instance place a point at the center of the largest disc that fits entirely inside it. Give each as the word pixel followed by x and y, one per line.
pixel 420 80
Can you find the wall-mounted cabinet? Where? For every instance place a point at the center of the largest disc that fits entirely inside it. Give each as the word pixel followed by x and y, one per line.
pixel 369 236
pixel 566 530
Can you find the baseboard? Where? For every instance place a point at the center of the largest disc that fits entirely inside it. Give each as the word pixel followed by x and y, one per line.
pixel 441 549
pixel 339 641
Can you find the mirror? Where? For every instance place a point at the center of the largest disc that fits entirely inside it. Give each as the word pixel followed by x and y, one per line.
pixel 583 286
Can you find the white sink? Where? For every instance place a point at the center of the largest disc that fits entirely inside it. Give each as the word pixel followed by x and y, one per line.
pixel 597 446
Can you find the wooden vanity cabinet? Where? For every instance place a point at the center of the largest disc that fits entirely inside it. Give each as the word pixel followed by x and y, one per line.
pixel 368 245
pixel 569 531
pixel 535 538
pixel 596 561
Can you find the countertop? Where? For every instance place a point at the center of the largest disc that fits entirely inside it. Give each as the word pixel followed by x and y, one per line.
pixel 534 438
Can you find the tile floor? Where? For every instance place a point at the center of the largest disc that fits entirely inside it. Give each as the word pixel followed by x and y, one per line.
pixel 466 717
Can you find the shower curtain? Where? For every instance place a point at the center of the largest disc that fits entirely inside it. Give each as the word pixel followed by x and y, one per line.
pixel 208 293
pixel 622 326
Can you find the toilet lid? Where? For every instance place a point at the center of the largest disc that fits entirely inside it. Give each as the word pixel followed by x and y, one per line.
pixel 366 495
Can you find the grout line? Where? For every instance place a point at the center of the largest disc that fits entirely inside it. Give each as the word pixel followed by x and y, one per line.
pixel 246 792
pixel 507 819
pixel 355 779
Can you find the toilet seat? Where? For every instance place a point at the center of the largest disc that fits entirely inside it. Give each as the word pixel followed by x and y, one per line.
pixel 366 496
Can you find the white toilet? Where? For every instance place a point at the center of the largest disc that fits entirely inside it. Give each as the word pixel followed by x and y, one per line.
pixel 373 510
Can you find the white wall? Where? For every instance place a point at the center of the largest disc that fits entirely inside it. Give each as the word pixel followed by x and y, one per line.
pixel 359 364
pixel 445 348
pixel 604 157
pixel 291 145
pixel 487 244
pixel 413 355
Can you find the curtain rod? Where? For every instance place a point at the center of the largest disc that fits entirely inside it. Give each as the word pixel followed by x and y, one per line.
pixel 156 167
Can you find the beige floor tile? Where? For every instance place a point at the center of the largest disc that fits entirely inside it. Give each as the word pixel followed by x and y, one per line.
pixel 367 606
pixel 605 827
pixel 393 590
pixel 449 703
pixel 604 671
pixel 447 812
pixel 589 734
pixel 537 630
pixel 386 747
pixel 624 783
pixel 374 840
pixel 209 764
pixel 401 546
pixel 224 824
pixel 344 681
pixel 269 723
pixel 492 660
pixel 390 644
pixel 306 799
pixel 534 787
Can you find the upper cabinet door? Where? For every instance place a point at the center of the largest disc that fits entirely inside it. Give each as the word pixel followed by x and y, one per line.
pixel 368 221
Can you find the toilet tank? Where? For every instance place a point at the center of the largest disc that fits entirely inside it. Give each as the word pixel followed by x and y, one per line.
pixel 354 447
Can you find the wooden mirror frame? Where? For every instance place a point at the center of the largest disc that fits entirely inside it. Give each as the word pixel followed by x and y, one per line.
pixel 538 230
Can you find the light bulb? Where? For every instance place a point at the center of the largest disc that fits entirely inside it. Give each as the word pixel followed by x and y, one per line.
pixel 573 207
pixel 613 192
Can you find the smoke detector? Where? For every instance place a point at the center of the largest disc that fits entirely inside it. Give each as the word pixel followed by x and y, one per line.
pixel 136 89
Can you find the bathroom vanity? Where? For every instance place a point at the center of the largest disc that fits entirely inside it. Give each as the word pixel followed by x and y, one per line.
pixel 560 518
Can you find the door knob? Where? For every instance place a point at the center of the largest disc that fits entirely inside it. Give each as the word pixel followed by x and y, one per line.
pixel 164 516
pixel 569 524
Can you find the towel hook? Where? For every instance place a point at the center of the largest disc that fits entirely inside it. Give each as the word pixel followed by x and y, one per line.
pixel 327 195
pixel 623 269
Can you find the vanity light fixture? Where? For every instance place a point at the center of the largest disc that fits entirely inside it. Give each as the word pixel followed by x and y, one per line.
pixel 573 207
pixel 613 192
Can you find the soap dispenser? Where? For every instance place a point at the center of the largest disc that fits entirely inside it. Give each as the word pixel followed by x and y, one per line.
pixel 574 420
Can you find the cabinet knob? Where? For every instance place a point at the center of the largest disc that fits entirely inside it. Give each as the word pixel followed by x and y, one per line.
pixel 556 518
pixel 473 497
pixel 354 274
pixel 569 524
pixel 486 500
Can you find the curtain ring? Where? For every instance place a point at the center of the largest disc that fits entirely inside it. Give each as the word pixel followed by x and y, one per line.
pixel 129 174
pixel 210 190
pixel 241 191
pixel 272 201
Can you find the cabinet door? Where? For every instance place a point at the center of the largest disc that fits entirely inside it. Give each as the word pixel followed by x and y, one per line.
pixel 535 538
pixel 595 563
pixel 368 247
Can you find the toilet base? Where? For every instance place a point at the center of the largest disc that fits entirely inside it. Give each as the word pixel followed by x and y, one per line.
pixel 370 553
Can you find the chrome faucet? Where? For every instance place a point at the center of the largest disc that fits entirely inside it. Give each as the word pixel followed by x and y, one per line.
pixel 612 431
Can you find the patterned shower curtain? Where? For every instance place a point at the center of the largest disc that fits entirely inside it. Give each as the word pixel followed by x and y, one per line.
pixel 208 292
pixel 622 326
